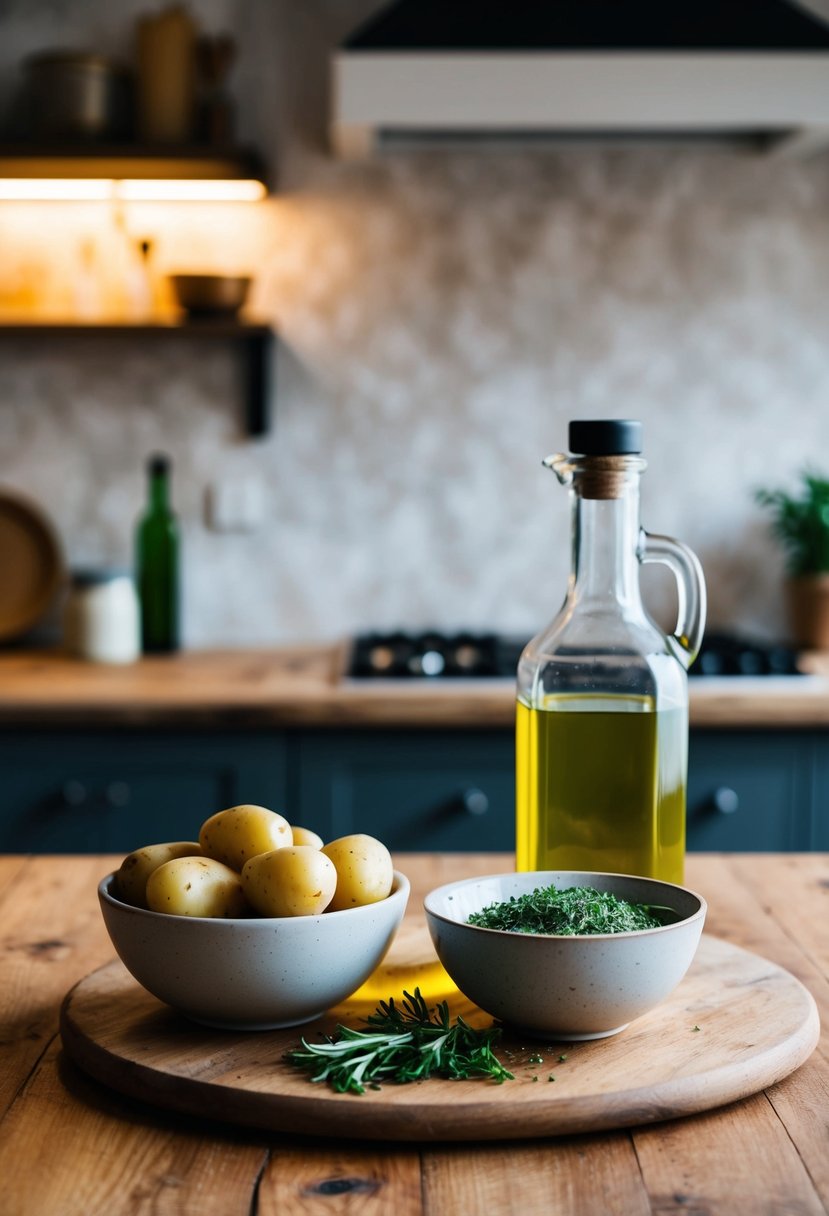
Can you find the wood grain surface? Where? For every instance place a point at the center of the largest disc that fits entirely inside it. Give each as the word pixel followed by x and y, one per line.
pixel 735 1025
pixel 302 685
pixel 72 1147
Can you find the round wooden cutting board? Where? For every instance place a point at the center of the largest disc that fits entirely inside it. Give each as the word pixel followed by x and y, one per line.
pixel 30 558
pixel 735 1025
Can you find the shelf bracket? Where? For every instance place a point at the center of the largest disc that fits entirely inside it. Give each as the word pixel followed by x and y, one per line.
pixel 260 374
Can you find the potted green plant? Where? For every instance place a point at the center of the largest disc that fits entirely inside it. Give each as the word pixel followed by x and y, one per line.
pixel 801 523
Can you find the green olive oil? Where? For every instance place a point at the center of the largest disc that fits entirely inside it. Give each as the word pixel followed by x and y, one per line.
pixel 600 785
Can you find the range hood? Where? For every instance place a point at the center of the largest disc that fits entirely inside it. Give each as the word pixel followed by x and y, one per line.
pixel 528 70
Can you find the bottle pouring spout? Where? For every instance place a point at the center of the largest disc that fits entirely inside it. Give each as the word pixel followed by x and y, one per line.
pixel 561 465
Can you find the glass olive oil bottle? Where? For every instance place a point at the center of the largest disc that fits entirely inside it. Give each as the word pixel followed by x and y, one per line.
pixel 602 710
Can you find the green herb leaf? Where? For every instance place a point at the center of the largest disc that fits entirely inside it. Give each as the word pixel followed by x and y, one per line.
pixel 575 910
pixel 404 1044
pixel 801 523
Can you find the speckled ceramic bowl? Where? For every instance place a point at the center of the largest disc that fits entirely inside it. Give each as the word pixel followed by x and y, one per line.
pixel 258 973
pixel 564 987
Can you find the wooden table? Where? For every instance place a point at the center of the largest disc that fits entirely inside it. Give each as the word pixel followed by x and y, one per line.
pixel 69 1147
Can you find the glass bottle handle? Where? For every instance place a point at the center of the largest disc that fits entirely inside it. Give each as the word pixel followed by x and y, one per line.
pixel 690 585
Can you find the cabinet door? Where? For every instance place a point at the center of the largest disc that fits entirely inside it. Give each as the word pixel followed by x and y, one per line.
pixel 452 791
pixel 748 791
pixel 67 792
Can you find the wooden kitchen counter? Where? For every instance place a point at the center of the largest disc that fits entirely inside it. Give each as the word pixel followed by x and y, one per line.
pixel 294 686
pixel 69 1147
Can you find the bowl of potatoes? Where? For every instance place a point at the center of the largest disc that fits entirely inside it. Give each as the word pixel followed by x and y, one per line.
pixel 256 925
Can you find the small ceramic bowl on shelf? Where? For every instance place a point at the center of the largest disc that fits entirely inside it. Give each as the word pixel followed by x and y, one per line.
pixel 565 987
pixel 254 973
pixel 218 296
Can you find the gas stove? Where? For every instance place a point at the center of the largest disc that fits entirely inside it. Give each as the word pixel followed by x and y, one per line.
pixel 434 655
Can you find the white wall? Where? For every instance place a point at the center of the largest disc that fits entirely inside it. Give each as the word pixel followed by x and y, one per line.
pixel 442 317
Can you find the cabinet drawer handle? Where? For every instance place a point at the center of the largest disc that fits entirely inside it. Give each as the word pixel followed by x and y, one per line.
pixel 474 801
pixel 74 793
pixel 117 793
pixel 725 800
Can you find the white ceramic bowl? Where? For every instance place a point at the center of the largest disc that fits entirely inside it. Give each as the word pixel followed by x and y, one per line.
pixel 558 987
pixel 258 973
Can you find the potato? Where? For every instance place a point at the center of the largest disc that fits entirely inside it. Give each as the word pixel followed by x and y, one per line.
pixel 364 871
pixel 306 836
pixel 241 832
pixel 196 886
pixel 295 881
pixel 136 868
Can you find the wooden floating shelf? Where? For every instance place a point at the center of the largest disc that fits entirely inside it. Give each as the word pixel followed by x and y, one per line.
pixel 256 339
pixel 133 160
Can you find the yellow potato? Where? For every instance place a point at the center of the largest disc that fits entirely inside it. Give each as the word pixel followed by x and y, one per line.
pixel 136 868
pixel 306 836
pixel 295 881
pixel 364 871
pixel 241 832
pixel 196 886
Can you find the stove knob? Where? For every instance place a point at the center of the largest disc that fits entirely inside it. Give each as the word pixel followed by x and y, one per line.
pixel 380 658
pixel 430 663
pixel 468 657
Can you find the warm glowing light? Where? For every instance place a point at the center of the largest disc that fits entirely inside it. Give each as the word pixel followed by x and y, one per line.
pixel 65 189
pixel 68 189
pixel 201 190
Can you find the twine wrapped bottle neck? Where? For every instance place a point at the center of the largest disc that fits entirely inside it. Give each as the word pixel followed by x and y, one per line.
pixel 606 477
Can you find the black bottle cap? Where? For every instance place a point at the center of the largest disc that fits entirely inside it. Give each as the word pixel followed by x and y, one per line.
pixel 609 437
pixel 158 465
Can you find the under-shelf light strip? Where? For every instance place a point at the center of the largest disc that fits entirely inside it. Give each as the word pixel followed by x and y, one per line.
pixel 67 189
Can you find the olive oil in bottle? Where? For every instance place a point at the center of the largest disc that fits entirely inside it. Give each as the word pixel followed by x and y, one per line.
pixel 601 786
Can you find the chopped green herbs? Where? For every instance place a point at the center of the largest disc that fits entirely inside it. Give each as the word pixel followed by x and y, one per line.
pixel 573 911
pixel 408 1043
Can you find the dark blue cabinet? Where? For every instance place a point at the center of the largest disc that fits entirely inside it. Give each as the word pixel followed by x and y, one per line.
pixel 819 835
pixel 448 790
pixel 113 791
pixel 415 790
pixel 750 791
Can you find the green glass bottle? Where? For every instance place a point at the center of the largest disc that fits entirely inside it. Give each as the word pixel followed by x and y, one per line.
pixel 157 563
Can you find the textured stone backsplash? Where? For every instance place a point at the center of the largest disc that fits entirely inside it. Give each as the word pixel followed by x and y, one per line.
pixel 442 316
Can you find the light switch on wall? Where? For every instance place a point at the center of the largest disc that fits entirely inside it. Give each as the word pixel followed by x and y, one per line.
pixel 235 505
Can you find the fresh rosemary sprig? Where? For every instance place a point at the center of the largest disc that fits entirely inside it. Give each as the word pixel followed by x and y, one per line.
pixel 408 1043
pixel 575 910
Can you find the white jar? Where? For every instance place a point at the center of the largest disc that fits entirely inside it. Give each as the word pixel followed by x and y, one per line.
pixel 102 618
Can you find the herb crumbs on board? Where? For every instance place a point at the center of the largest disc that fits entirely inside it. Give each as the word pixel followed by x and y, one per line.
pixel 569 912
